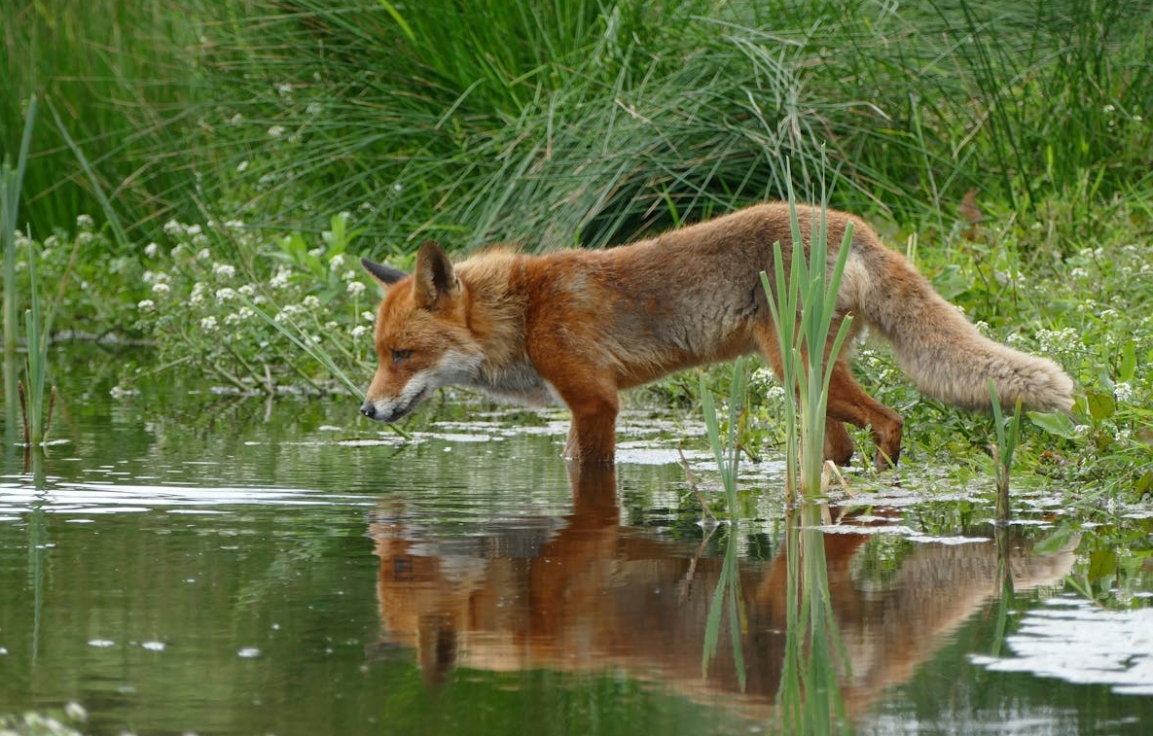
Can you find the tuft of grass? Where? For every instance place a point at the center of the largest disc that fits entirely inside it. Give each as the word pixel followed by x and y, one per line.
pixel 11 182
pixel 727 452
pixel 803 306
pixel 1002 452
pixel 36 405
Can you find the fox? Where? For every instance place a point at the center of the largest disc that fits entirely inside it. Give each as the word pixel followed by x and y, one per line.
pixel 578 326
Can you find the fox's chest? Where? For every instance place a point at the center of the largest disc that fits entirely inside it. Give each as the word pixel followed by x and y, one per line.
pixel 519 382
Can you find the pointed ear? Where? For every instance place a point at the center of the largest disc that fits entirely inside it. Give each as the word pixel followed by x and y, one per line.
pixel 436 282
pixel 386 276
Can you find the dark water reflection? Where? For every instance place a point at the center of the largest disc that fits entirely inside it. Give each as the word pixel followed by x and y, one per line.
pixel 210 565
pixel 586 593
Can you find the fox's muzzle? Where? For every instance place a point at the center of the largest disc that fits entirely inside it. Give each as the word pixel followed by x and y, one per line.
pixel 389 410
pixel 388 414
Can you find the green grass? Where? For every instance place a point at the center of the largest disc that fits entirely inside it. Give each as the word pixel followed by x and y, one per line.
pixel 587 125
pixel 550 124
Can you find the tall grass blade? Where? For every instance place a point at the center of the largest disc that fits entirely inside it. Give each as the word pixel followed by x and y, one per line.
pixel 1002 452
pixel 11 182
pixel 803 307
pixel 89 172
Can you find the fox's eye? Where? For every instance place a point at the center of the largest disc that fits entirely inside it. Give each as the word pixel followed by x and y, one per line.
pixel 399 356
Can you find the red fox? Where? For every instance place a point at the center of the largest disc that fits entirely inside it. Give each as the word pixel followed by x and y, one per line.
pixel 579 326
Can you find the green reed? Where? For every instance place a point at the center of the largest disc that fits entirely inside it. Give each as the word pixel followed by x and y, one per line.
pixel 33 397
pixel 1002 451
pixel 726 450
pixel 803 307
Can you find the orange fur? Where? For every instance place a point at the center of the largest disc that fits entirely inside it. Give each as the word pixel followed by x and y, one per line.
pixel 579 326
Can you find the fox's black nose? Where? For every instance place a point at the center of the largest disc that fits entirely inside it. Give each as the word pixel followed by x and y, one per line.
pixel 368 409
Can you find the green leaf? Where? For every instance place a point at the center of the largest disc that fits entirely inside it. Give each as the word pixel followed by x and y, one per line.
pixel 1102 564
pixel 1058 540
pixel 1101 406
pixel 1128 367
pixel 1054 423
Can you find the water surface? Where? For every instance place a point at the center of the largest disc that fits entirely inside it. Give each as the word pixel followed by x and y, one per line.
pixel 197 563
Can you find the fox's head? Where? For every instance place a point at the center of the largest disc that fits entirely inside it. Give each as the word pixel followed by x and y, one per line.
pixel 422 336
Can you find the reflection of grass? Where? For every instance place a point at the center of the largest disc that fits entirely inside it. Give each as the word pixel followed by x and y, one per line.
pixel 727 454
pixel 809 699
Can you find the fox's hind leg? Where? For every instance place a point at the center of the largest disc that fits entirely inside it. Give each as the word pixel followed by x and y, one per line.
pixel 839 446
pixel 848 402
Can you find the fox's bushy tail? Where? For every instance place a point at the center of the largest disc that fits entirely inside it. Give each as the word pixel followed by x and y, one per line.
pixel 940 350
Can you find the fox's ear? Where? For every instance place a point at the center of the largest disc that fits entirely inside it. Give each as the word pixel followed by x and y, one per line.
pixel 436 282
pixel 386 276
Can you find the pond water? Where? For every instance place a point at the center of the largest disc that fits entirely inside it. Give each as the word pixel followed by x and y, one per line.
pixel 200 563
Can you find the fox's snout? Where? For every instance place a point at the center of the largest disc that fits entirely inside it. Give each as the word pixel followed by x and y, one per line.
pixel 368 409
pixel 382 411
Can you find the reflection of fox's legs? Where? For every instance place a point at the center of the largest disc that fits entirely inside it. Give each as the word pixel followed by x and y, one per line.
pixel 594 491
pixel 570 566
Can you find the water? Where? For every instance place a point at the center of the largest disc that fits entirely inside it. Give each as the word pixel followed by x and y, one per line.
pixel 196 563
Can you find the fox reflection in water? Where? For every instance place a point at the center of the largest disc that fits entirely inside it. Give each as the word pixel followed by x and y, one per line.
pixel 583 593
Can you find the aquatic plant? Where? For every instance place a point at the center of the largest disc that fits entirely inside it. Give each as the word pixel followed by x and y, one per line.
pixel 1002 451
pixel 803 307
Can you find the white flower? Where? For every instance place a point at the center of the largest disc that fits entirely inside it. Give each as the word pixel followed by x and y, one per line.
pixel 314 108
pixel 208 324
pixel 368 316
pixel 203 255
pixel 355 288
pixel 224 295
pixel 161 288
pixel 223 270
pixel 1123 392
pixel 276 131
pixel 242 166
pixel 247 290
pixel 197 296
pixel 284 89
pixel 84 238
pixel 359 331
pixel 192 230
pixel 280 280
pixel 349 275
pixel 84 222
pixel 240 315
pixel 75 711
pixel 146 305
pixel 311 302
pixel 336 261
pixel 172 228
pixel 200 240
pixel 151 249
pixel 236 119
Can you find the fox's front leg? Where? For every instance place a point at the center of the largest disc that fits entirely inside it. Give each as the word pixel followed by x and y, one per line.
pixel 592 434
pixel 594 404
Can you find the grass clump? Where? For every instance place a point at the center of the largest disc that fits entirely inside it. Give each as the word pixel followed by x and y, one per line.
pixel 1012 139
